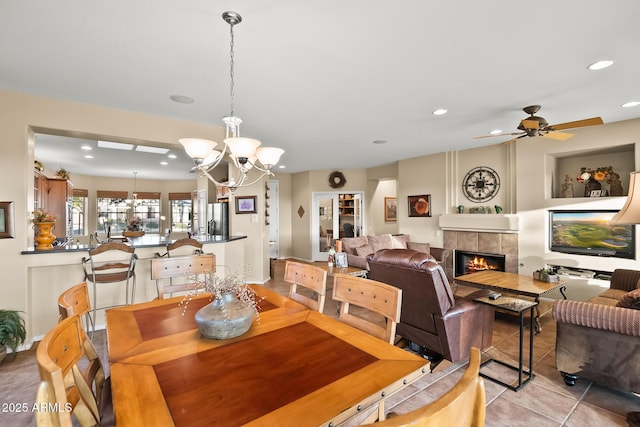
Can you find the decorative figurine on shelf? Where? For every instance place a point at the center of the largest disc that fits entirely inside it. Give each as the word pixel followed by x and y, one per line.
pixel 567 187
pixel 615 186
pixel 498 209
pixel 460 209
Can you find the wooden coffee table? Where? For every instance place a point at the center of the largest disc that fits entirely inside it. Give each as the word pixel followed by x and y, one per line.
pixel 514 284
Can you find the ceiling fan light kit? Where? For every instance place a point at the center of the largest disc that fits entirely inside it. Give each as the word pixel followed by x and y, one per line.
pixel 538 126
pixel 245 153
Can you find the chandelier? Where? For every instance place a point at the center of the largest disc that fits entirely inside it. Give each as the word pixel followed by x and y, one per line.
pixel 245 153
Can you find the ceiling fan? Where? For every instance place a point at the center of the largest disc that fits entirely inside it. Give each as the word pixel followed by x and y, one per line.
pixel 538 126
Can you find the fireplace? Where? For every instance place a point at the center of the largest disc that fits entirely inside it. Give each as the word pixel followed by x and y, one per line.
pixel 467 262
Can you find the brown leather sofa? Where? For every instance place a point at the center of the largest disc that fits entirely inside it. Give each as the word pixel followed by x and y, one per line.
pixel 600 340
pixel 431 317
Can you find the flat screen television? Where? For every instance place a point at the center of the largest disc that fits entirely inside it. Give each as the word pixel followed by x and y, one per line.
pixel 588 232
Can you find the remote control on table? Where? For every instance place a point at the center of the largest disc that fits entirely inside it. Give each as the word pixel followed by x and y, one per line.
pixel 494 295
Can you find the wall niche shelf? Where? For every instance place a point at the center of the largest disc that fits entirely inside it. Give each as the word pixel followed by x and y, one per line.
pixel 560 165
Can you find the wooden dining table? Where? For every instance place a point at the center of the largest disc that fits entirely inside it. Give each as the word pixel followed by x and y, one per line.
pixel 294 367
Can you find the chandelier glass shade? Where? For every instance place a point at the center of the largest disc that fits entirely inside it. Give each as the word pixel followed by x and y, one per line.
pixel 245 153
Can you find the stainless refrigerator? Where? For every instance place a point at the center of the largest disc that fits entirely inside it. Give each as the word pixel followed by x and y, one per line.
pixel 218 219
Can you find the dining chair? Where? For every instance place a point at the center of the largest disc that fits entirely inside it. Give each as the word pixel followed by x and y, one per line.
pixel 372 296
pixel 75 300
pixel 462 406
pixel 110 263
pixel 186 246
pixel 188 268
pixel 58 356
pixel 307 276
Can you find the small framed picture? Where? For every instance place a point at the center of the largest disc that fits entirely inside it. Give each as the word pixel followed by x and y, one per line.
pixel 341 260
pixel 6 220
pixel 246 204
pixel 390 209
pixel 420 206
pixel 595 193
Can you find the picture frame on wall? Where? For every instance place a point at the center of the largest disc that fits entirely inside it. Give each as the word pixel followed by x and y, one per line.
pixel 246 204
pixel 390 209
pixel 420 206
pixel 6 220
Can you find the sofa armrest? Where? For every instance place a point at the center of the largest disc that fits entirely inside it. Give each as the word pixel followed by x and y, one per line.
pixel 357 261
pixel 626 280
pixel 624 321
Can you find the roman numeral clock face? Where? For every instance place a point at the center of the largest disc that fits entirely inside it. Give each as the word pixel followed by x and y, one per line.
pixel 481 184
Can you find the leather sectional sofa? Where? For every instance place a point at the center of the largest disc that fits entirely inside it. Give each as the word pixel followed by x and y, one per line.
pixel 599 339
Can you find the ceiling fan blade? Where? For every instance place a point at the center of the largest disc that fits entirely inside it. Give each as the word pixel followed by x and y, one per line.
pixel 558 136
pixel 498 134
pixel 530 124
pixel 514 139
pixel 578 123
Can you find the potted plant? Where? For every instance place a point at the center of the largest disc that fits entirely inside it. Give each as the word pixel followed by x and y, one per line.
pixel 12 332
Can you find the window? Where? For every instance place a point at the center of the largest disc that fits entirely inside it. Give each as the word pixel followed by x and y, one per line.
pixel 79 212
pixel 117 213
pixel 181 209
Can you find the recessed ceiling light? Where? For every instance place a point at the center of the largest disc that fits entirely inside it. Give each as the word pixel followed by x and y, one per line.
pixel 88 156
pixel 115 145
pixel 181 99
pixel 163 163
pixel 631 104
pixel 281 167
pixel 380 141
pixel 496 132
pixel 599 65
pixel 86 147
pixel 172 156
pixel 155 150
pixel 440 112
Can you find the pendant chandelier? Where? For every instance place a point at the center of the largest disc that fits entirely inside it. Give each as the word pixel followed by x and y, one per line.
pixel 245 153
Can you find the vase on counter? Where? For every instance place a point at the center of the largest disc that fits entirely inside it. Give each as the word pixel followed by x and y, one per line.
pixel 225 317
pixel 44 237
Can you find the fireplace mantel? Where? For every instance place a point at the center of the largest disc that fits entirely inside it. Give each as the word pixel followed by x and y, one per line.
pixel 488 223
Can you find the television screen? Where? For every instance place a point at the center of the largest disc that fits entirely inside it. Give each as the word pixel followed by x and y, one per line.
pixel 590 233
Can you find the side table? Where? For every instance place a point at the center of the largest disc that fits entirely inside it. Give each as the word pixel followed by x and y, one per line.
pixel 520 307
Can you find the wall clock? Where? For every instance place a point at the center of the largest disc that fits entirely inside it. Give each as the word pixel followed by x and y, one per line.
pixel 481 184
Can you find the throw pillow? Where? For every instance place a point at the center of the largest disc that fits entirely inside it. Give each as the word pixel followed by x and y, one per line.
pixel 380 242
pixel 420 247
pixel 400 241
pixel 363 251
pixel 630 300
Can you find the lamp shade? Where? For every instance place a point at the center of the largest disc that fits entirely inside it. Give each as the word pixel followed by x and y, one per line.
pixel 269 156
pixel 630 212
pixel 197 148
pixel 212 157
pixel 242 147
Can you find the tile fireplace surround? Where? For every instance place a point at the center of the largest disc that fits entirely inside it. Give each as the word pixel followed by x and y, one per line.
pixel 493 234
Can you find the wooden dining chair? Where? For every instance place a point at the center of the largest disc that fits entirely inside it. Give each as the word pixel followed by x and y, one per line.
pixel 58 356
pixel 462 406
pixel 75 302
pixel 186 270
pixel 373 296
pixel 308 276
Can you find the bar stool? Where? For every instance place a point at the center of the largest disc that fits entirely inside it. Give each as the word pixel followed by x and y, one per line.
pixel 180 247
pixel 110 263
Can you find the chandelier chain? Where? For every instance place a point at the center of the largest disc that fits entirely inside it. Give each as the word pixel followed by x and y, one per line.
pixel 231 73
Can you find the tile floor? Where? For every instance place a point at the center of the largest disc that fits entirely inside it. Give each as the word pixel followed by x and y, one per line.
pixel 545 401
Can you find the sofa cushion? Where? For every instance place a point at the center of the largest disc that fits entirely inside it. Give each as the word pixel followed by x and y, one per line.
pixel 349 244
pixel 365 250
pixel 420 247
pixel 615 294
pixel 382 241
pixel 630 300
pixel 400 241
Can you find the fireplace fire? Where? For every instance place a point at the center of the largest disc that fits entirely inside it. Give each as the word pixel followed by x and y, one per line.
pixel 467 262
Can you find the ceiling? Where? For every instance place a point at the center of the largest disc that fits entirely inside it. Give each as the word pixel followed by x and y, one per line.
pixel 323 80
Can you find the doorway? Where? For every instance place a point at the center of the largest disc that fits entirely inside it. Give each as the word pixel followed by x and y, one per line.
pixel 335 215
